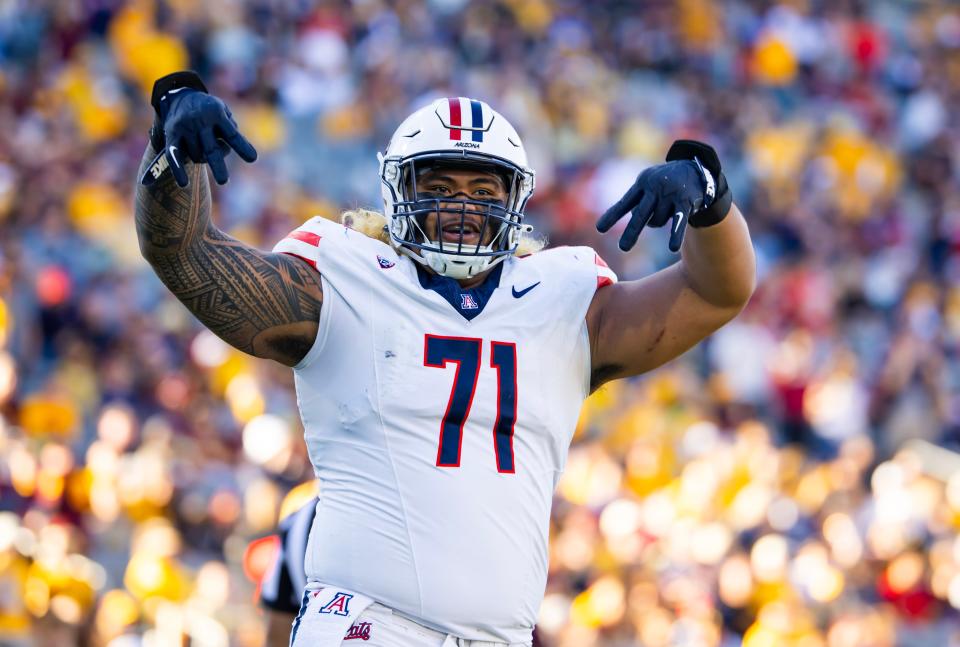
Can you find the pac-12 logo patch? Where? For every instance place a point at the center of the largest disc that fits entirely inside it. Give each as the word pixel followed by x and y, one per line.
pixel 339 605
pixel 467 302
pixel 384 263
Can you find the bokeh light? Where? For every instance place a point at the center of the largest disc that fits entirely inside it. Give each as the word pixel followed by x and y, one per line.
pixel 793 482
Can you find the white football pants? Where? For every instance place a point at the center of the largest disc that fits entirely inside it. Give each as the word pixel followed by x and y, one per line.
pixel 331 617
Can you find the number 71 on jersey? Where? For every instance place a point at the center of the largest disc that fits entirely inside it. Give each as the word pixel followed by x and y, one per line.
pixel 466 352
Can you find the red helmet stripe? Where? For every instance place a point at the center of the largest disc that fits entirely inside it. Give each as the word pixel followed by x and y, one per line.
pixel 455 122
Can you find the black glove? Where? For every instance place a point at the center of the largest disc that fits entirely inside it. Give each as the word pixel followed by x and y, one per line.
pixel 190 123
pixel 690 187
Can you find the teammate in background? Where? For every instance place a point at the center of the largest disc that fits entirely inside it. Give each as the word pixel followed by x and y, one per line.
pixel 283 585
pixel 439 375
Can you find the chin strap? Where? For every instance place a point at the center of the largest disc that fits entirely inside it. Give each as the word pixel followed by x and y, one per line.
pixel 455 269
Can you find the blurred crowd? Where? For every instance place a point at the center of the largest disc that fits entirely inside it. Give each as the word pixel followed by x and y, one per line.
pixel 792 482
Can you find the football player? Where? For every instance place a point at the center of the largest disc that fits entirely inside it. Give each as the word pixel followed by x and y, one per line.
pixel 284 583
pixel 285 580
pixel 439 375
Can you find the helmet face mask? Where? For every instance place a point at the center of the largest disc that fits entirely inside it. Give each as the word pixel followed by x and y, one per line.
pixel 426 142
pixel 428 213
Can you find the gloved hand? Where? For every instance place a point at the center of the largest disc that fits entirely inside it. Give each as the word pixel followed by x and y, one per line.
pixel 190 123
pixel 690 187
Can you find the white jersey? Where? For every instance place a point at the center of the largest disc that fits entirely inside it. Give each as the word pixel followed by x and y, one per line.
pixel 439 440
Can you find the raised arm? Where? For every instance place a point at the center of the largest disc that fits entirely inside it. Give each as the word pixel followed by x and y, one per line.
pixel 264 304
pixel 636 326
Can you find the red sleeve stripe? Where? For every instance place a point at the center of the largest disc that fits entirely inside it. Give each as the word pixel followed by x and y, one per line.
pixel 312 264
pixel 305 236
pixel 604 281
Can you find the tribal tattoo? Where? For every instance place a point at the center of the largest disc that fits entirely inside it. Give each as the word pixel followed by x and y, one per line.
pixel 262 303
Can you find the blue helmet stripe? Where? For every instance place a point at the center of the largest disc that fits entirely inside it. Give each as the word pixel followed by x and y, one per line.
pixel 476 113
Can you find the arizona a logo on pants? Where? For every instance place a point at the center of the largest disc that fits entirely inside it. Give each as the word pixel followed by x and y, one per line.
pixel 339 605
pixel 337 619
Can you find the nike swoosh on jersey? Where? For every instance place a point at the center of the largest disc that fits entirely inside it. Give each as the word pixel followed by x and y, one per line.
pixel 519 294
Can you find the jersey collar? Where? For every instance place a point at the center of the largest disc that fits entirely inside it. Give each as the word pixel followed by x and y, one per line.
pixel 469 302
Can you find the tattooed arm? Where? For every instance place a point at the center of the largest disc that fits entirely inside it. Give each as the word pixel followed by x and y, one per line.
pixel 264 304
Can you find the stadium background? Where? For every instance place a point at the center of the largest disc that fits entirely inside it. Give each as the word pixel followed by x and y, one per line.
pixel 788 483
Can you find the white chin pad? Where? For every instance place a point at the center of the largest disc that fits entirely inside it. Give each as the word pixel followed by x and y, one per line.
pixel 457 267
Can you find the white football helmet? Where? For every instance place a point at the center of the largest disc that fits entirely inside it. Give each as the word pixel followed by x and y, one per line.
pixel 463 132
